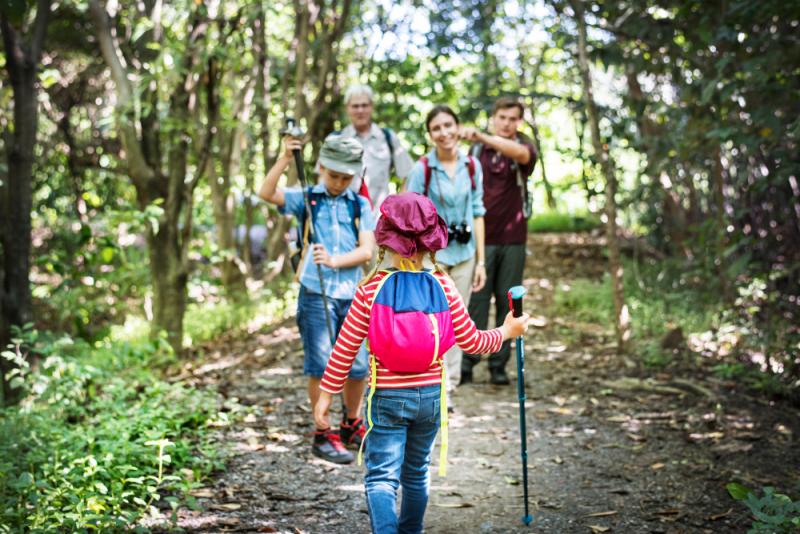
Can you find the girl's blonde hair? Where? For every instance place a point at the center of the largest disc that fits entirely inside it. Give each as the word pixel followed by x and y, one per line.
pixel 382 254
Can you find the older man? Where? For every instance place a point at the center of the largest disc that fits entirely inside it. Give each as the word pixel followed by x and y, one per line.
pixel 383 151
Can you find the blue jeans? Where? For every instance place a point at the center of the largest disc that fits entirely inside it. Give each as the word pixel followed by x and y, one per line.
pixel 314 333
pixel 398 452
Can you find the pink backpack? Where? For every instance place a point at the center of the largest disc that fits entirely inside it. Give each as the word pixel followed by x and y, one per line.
pixel 410 326
pixel 410 329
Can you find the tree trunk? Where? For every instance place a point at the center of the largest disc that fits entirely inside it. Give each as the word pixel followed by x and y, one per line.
pixel 168 242
pixel 22 61
pixel 621 316
pixel 169 284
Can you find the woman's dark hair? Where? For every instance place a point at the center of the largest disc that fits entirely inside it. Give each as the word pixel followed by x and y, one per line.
pixel 440 108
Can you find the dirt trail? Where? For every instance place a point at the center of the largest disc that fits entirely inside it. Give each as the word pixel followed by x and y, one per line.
pixel 600 459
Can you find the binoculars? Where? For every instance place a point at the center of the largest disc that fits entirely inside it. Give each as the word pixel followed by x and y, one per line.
pixel 462 232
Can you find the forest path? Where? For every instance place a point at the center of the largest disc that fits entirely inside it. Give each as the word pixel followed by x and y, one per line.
pixel 601 459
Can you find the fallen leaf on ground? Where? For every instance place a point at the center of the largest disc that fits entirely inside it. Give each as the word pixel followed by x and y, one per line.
pixel 715 517
pixel 453 504
pixel 598 528
pixel 226 507
pixel 512 481
pixel 202 492
pixel 656 467
pixel 560 411
pixel 602 514
pixel 558 460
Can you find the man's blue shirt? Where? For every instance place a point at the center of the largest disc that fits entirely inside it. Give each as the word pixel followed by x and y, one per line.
pixel 454 199
pixel 334 230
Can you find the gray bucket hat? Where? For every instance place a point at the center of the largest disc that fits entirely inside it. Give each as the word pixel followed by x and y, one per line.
pixel 341 154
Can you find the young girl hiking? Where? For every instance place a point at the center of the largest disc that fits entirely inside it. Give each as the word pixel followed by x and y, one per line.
pixel 342 225
pixel 410 318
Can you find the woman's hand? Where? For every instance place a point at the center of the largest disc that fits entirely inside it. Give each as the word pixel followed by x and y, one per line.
pixel 321 410
pixel 515 326
pixel 479 278
pixel 321 256
pixel 290 144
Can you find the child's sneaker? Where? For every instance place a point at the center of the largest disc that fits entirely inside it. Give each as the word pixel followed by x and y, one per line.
pixel 328 446
pixel 352 434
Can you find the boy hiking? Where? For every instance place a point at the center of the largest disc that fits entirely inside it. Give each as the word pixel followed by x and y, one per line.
pixel 341 225
pixel 411 317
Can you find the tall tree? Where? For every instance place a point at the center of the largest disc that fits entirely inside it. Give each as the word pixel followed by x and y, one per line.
pixel 22 44
pixel 161 183
pixel 621 315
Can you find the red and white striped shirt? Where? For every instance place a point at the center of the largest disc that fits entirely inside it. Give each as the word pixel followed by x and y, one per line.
pixel 356 325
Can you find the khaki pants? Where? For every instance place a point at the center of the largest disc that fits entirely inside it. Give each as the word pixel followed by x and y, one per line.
pixel 462 275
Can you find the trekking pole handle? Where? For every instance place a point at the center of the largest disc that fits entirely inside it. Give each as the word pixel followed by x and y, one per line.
pixel 515 295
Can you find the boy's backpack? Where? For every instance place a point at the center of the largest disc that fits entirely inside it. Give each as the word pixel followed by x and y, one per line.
pixel 315 199
pixel 522 183
pixel 410 329
pixel 427 170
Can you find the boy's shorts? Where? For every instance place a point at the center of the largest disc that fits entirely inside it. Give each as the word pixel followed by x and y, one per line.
pixel 316 343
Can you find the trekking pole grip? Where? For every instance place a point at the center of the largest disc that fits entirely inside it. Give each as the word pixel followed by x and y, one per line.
pixel 515 295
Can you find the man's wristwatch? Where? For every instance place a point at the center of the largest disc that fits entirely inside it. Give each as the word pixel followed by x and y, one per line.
pixel 482 263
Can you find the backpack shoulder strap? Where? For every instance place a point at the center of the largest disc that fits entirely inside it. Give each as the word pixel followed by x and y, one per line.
pixel 354 207
pixel 387 134
pixel 471 170
pixel 476 150
pixel 427 171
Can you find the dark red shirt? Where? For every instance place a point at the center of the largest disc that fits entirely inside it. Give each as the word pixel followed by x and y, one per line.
pixel 505 224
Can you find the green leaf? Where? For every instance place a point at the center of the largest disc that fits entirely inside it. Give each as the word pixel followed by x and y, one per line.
pixel 737 491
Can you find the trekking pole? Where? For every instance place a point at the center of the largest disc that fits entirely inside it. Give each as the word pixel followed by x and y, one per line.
pixel 515 295
pixel 293 130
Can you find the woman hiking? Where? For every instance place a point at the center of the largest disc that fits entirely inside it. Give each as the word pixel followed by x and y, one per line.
pixel 453 180
pixel 410 317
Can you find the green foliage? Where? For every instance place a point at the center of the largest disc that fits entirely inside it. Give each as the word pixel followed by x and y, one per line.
pixel 654 311
pixel 100 438
pixel 563 222
pixel 773 513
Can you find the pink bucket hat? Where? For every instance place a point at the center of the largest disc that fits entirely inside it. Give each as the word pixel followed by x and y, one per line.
pixel 409 223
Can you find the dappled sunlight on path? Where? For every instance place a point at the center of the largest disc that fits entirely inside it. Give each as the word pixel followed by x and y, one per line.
pixel 611 448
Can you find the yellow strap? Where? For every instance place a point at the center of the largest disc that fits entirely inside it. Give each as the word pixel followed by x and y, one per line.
pixel 373 380
pixel 407 265
pixel 443 418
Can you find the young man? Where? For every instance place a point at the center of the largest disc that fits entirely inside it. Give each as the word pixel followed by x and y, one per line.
pixel 343 240
pixel 382 148
pixel 507 159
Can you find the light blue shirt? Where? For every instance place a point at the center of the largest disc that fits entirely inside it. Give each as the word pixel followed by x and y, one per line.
pixel 455 201
pixel 334 230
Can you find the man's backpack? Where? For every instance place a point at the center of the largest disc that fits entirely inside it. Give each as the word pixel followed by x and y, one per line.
pixel 410 329
pixel 315 199
pixel 428 172
pixel 522 183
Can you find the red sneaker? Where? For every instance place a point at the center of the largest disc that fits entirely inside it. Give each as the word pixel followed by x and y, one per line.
pixel 353 435
pixel 328 446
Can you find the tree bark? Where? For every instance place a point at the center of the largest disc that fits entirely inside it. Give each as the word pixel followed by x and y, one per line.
pixel 621 316
pixel 22 62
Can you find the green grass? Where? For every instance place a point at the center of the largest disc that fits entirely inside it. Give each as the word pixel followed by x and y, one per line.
pixel 552 221
pixel 653 310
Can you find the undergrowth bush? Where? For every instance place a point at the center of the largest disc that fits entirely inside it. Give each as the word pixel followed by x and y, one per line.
pixel 773 512
pixel 100 438
pixel 553 221
pixel 653 311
